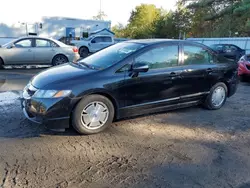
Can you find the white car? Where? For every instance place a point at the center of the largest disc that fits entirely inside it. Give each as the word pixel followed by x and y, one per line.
pixel 93 44
pixel 37 50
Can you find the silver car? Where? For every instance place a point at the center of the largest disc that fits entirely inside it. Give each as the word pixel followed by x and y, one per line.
pixel 37 50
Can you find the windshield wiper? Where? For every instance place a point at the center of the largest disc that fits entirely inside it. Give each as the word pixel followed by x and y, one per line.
pixel 87 65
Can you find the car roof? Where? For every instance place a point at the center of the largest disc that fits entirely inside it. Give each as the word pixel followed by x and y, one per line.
pixel 162 41
pixel 46 38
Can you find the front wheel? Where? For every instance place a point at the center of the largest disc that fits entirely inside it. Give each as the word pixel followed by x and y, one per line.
pixel 217 96
pixel 93 114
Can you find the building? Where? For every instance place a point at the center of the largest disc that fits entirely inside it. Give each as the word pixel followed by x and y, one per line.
pixel 53 27
pixel 104 31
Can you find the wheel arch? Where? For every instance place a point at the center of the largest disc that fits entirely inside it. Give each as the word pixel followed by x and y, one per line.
pixel 2 60
pixel 103 93
pixel 83 46
pixel 226 83
pixel 58 55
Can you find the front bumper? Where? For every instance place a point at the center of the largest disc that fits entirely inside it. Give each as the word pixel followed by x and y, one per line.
pixel 243 70
pixel 54 113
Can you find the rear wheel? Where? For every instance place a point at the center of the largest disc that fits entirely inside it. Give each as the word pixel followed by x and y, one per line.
pixel 1 64
pixel 93 114
pixel 83 52
pixel 217 97
pixel 59 59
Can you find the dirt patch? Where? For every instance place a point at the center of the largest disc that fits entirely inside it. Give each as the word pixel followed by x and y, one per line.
pixel 185 148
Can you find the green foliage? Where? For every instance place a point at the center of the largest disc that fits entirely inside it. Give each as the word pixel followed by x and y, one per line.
pixel 200 18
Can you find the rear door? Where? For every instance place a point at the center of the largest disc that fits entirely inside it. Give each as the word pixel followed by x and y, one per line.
pixel 44 51
pixel 196 70
pixel 21 53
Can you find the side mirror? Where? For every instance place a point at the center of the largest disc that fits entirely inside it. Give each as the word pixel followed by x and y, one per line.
pixel 11 46
pixel 140 67
pixel 93 41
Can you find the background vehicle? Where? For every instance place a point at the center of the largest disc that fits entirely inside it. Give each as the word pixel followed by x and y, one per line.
pixel 93 44
pixel 244 68
pixel 229 51
pixel 37 50
pixel 129 79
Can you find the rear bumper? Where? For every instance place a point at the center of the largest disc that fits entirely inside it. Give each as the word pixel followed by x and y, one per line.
pixel 53 113
pixel 73 58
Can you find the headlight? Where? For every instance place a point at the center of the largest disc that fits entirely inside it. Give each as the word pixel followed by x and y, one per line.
pixel 51 93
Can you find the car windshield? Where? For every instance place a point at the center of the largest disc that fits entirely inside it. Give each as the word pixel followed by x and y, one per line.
pixel 7 44
pixel 111 55
pixel 90 38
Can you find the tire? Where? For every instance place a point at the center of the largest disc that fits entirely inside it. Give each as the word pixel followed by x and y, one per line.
pixel 59 59
pixel 219 88
pixel 1 64
pixel 85 112
pixel 83 52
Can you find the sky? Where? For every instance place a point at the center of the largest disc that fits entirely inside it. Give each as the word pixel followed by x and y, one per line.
pixel 118 11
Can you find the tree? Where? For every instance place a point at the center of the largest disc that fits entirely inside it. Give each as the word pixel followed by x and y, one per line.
pixel 165 27
pixel 100 16
pixel 120 30
pixel 142 21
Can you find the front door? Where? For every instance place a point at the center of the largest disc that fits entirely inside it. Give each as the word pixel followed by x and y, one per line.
pixel 20 53
pixel 44 51
pixel 97 44
pixel 159 86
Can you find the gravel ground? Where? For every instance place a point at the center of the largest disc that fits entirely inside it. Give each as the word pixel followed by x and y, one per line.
pixel 186 148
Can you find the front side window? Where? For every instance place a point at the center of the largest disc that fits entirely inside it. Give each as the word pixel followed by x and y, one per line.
pixel 160 57
pixel 26 43
pixel 97 40
pixel 194 55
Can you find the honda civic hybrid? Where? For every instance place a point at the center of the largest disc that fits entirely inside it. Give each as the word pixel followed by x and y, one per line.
pixel 128 79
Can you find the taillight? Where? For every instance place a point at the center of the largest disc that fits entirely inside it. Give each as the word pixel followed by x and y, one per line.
pixel 75 49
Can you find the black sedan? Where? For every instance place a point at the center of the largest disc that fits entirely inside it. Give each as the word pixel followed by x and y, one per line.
pixel 129 79
pixel 229 51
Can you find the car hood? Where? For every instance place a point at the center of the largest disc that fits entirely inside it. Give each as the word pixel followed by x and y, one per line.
pixel 59 74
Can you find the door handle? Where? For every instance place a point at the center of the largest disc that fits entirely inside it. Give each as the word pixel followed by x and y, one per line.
pixel 173 74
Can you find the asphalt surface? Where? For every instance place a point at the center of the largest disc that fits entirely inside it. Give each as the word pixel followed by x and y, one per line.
pixel 186 148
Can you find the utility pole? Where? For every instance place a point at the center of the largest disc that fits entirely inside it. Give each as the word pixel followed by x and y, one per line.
pixel 100 5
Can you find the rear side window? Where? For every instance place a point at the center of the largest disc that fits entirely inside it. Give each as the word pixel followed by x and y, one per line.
pixel 160 57
pixel 42 43
pixel 194 55
pixel 107 39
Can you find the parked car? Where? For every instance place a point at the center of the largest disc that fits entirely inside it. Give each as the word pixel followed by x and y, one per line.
pixel 229 51
pixel 244 68
pixel 93 44
pixel 129 79
pixel 37 50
